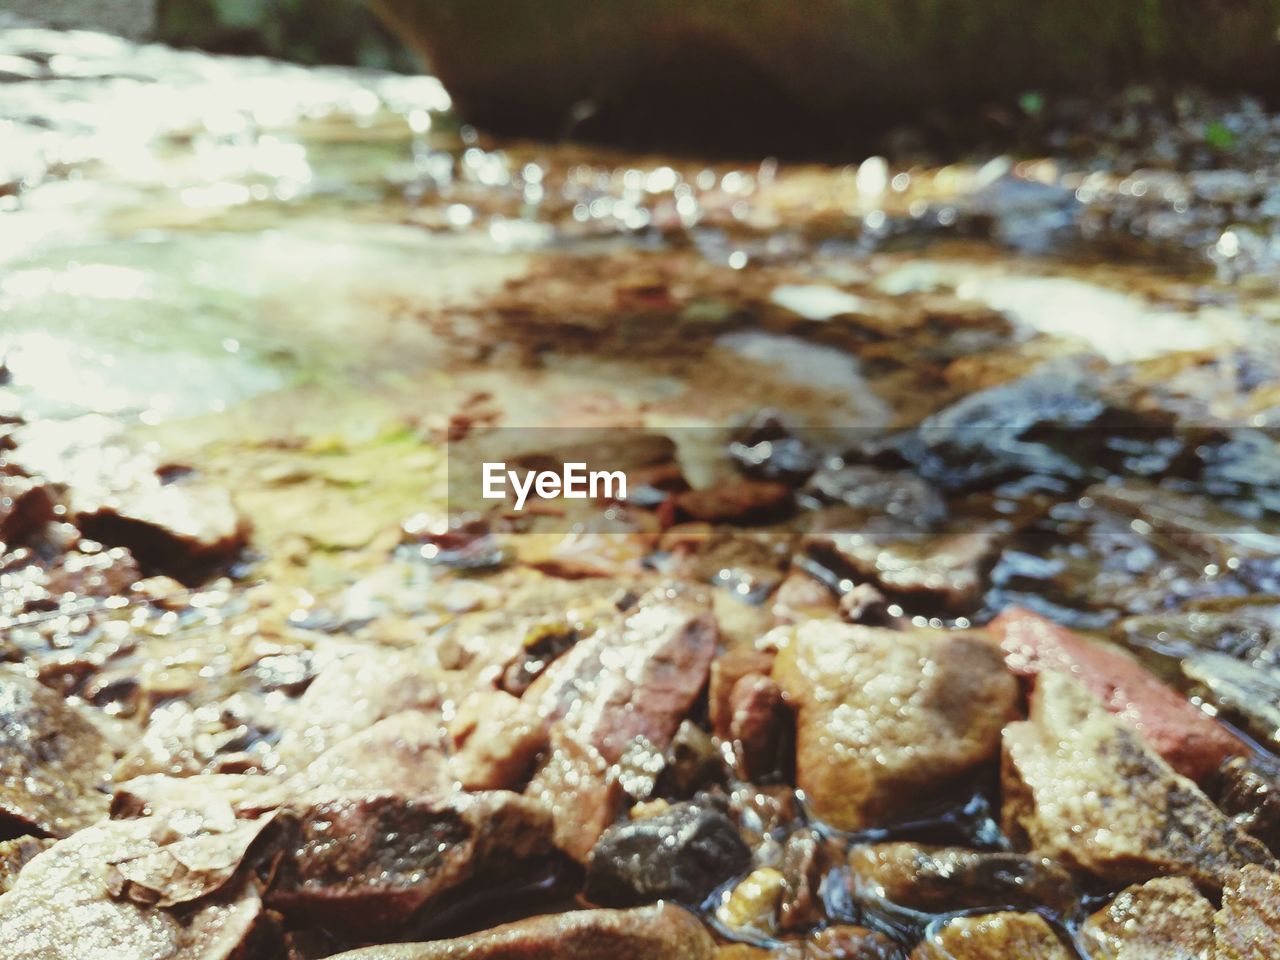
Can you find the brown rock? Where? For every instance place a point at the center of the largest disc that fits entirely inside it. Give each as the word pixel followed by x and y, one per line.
pixel 946 571
pixel 833 943
pixel 865 497
pixel 650 933
pixel 726 670
pixel 52 761
pixel 1248 790
pixel 693 762
pixel 1083 788
pixel 757 727
pixel 633 679
pixel 951 879
pixel 1008 936
pixel 1162 919
pixel 496 738
pixel 806 858
pixel 864 604
pixel 1248 925
pixel 368 864
pixel 1192 742
pixel 901 711
pixel 580 789
pixel 62 908
pixel 752 905
pixel 25 507
pixel 180 529
pixel 851 943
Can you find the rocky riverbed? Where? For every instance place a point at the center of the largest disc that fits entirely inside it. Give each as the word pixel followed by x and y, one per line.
pixel 943 623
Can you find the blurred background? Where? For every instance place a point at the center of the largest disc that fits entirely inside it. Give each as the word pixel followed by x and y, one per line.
pixel 821 79
pixel 305 31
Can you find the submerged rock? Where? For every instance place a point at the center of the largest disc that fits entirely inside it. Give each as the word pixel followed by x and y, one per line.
pixel 726 671
pixel 682 854
pixel 802 597
pixel 1248 628
pixel 950 879
pixel 806 859
pixel 1248 790
pixel 767 451
pixel 1083 788
pixel 1009 936
pixel 1134 548
pixel 1207 640
pixel 52 762
pixel 839 942
pixel 895 499
pixel 651 933
pixel 693 762
pixel 843 942
pixel 1033 425
pixel 903 712
pixel 1247 693
pixel 245 794
pixel 1162 919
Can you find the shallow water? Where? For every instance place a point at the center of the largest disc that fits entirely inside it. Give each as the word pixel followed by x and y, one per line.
pixel 217 253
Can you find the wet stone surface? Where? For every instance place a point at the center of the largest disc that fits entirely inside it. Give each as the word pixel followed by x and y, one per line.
pixel 681 854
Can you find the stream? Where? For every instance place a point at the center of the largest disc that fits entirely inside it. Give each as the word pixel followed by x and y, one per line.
pixel 1049 380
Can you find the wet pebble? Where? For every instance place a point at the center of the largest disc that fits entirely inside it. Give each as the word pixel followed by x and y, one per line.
pixel 681 855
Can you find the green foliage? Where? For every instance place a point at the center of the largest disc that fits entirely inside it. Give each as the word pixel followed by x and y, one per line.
pixel 1032 103
pixel 1219 137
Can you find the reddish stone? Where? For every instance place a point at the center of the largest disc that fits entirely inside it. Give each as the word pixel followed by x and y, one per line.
pixel 1188 739
pixel 726 671
pixel 756 725
pixel 25 506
